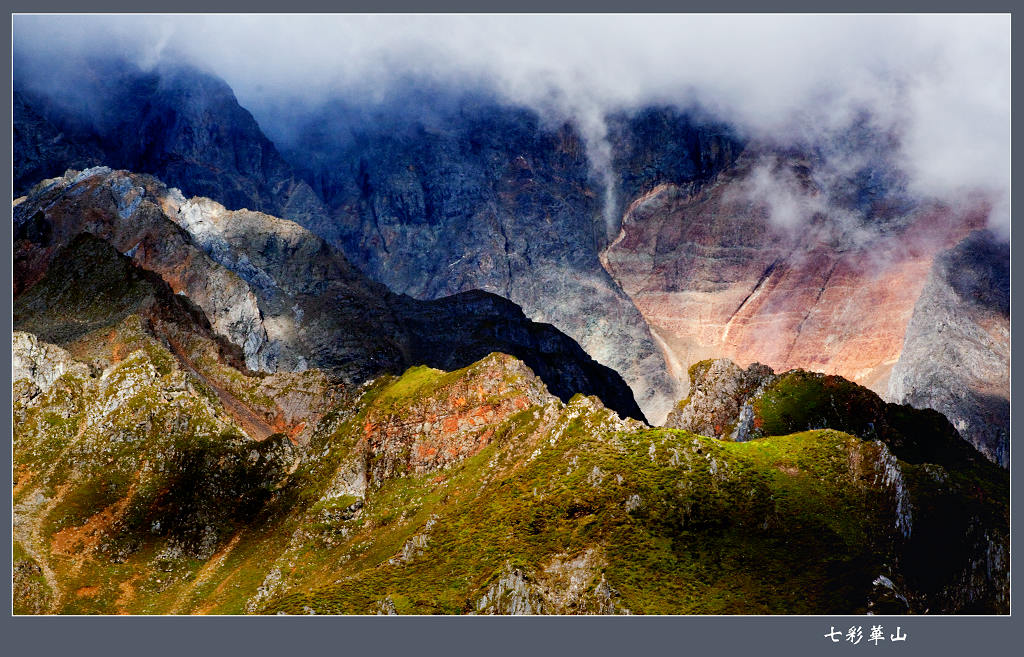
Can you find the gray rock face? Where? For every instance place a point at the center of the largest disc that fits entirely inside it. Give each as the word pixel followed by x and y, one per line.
pixel 174 122
pixel 719 401
pixel 42 149
pixel 488 197
pixel 286 298
pixel 956 356
pixel 41 363
pixel 563 585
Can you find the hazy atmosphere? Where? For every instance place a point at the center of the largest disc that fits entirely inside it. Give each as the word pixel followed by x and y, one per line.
pixel 940 84
pixel 512 314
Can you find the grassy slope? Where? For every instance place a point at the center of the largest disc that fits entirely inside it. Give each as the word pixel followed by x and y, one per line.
pixel 683 523
pixel 719 528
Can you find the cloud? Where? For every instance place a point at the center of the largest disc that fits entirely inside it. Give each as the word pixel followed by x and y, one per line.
pixel 789 202
pixel 940 82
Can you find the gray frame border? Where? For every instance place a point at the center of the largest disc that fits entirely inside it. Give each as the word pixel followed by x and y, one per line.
pixel 791 635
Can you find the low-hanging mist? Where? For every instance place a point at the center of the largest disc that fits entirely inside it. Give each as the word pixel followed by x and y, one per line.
pixel 939 84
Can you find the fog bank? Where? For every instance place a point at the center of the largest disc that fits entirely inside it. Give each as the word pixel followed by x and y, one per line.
pixel 940 84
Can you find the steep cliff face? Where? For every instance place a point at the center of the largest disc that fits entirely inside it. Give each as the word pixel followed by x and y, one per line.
pixel 175 122
pixel 277 292
pixel 956 355
pixel 661 145
pixel 486 196
pixel 786 275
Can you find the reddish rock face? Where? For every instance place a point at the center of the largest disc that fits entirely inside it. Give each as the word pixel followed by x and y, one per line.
pixel 451 422
pixel 715 277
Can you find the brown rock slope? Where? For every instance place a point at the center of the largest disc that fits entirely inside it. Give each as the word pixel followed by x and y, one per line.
pixel 715 276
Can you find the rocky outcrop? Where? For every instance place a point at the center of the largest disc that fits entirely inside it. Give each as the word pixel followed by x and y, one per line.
pixel 956 355
pixel 286 299
pixel 718 401
pixel 128 213
pixel 730 403
pixel 40 363
pixel 768 265
pixel 433 420
pixel 562 586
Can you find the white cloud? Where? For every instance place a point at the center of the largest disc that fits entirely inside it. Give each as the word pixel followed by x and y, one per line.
pixel 941 81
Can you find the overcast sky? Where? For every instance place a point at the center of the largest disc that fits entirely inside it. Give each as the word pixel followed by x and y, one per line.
pixel 943 82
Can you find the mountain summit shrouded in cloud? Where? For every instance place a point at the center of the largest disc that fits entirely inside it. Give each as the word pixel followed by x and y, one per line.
pixel 518 154
pixel 939 82
pixel 511 314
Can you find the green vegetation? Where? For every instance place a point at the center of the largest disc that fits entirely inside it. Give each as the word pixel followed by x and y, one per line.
pixel 158 505
pixel 89 286
pixel 799 400
pixel 721 531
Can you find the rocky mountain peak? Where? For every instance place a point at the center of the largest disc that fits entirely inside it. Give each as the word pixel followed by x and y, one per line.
pixel 956 354
pixel 717 404
pixel 283 296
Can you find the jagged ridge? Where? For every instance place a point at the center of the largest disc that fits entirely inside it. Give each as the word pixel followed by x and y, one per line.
pixel 476 491
pixel 283 296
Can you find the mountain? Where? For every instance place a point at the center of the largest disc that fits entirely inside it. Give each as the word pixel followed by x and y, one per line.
pixel 471 491
pixel 281 296
pixel 811 256
pixel 466 193
pixel 956 354
pixel 173 122
pixel 842 290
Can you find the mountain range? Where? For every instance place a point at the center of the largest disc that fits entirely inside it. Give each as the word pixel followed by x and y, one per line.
pixel 428 357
